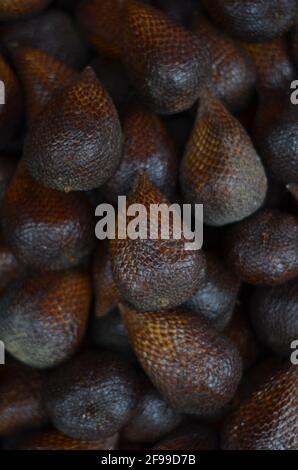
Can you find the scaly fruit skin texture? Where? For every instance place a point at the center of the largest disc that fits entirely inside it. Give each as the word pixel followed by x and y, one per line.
pixel 154 274
pixel 14 9
pixel 93 396
pixel 57 304
pixel 76 143
pixel 263 249
pixel 220 168
pixel 274 313
pixel 196 437
pixel 167 64
pixel 267 419
pixel 253 21
pixel 195 368
pixel 46 229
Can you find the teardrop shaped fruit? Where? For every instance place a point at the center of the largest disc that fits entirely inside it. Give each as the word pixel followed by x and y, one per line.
pixel 107 295
pixel 153 417
pixel 267 419
pixel 195 437
pixel 274 314
pixel 92 396
pixel 43 317
pixel 275 135
pixel 42 76
pixel 220 168
pixel 22 392
pixel 253 21
pixel 196 369
pixel 264 248
pixel 14 9
pixel 216 296
pixel 146 147
pixel 76 143
pixel 233 72
pixel 10 103
pixel 159 273
pixel 100 22
pixel 51 439
pixel 273 62
pixel 52 31
pixel 167 64
pixel 46 229
pixel 9 266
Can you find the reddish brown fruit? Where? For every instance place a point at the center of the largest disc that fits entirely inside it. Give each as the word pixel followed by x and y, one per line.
pixel 233 72
pixel 254 21
pixel 51 439
pixel 8 265
pixel 43 317
pixel 195 368
pixel 21 398
pixel 10 112
pixel 220 168
pixel 107 295
pixel 167 64
pixel 76 144
pixel 147 147
pixel 267 419
pixel 7 168
pixel 151 273
pixel 216 296
pixel 93 396
pixel 274 313
pixel 42 77
pixel 46 229
pixel 196 437
pixel 153 417
pixel 264 248
pixel 14 9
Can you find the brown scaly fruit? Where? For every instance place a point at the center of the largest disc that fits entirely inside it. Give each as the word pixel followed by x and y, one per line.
pixel 253 21
pixel 92 396
pixel 195 369
pixel 76 143
pixel 264 248
pixel 43 317
pixel 216 296
pixel 22 391
pixel 274 314
pixel 10 112
pixel 46 229
pixel 167 64
pixel 151 273
pixel 15 9
pixel 51 439
pixel 267 418
pixel 220 168
pixel 147 147
pixel 233 72
pixel 42 75
pixel 195 437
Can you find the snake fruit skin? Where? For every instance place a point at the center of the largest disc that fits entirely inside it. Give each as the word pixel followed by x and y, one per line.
pixel 57 304
pixel 167 64
pixel 196 437
pixel 267 419
pixel 195 368
pixel 220 167
pixel 66 152
pixel 154 274
pixel 14 9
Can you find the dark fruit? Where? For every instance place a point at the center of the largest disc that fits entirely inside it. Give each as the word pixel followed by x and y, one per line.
pixel 181 12
pixel 194 368
pixel 109 333
pixel 220 168
pixel 151 273
pixel 93 396
pixel 264 248
pixel 7 168
pixel 195 437
pixel 8 265
pixel 46 229
pixel 14 9
pixel 43 317
pixel 76 143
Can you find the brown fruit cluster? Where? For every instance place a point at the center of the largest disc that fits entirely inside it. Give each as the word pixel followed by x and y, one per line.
pixel 141 342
